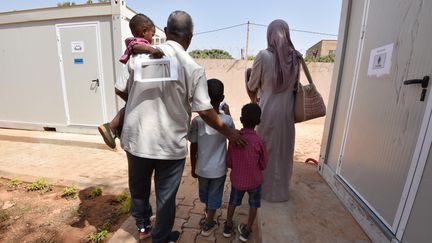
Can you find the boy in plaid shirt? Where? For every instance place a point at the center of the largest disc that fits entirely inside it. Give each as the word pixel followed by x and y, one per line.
pixel 246 165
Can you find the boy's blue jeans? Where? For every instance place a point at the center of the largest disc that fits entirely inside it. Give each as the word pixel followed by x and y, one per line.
pixel 211 191
pixel 167 179
pixel 236 197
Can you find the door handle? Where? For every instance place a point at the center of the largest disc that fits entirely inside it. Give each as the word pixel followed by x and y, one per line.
pixel 96 81
pixel 424 82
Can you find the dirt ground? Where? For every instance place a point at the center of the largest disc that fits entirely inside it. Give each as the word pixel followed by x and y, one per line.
pixel 46 216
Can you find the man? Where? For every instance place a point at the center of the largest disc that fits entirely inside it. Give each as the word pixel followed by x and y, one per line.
pixel 155 129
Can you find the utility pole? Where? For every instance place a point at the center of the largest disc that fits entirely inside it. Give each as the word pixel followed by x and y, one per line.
pixel 247 45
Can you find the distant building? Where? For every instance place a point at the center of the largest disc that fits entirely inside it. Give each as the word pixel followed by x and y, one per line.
pixel 322 48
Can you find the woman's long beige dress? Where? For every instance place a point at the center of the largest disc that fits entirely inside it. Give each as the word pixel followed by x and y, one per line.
pixel 276 127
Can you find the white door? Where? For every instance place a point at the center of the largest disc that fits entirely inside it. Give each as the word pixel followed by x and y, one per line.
pixel 386 116
pixel 81 65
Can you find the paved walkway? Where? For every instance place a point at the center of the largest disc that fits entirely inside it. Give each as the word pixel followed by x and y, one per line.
pixel 314 214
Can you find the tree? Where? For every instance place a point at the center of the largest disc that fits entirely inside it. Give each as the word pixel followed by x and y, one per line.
pixel 251 57
pixel 210 54
pixel 328 58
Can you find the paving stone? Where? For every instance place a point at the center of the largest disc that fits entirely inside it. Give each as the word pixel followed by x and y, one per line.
pixel 183 211
pixel 193 221
pixel 178 224
pixel 188 201
pixel 223 216
pixel 243 209
pixel 240 218
pixel 188 235
pixel 222 239
pixel 218 213
pixel 205 239
pixel 198 207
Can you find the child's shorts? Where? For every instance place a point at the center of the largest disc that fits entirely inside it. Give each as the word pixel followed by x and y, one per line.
pixel 236 197
pixel 211 191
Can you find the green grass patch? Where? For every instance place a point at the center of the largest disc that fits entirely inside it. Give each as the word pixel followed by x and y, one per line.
pixel 96 192
pixel 101 234
pixel 39 185
pixel 69 191
pixel 125 202
pixel 98 236
pixel 14 182
pixel 4 215
pixel 122 196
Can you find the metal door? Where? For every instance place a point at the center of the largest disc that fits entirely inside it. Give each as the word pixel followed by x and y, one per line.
pixel 80 61
pixel 386 117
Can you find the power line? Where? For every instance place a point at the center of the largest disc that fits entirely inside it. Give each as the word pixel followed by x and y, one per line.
pixel 303 31
pixel 225 28
pixel 262 25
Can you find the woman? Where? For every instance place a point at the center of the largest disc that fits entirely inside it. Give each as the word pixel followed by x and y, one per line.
pixel 273 78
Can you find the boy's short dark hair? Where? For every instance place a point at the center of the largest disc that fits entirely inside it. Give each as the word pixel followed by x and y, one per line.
pixel 138 21
pixel 251 115
pixel 215 90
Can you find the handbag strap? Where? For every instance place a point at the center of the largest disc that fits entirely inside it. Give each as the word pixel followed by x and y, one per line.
pixel 306 70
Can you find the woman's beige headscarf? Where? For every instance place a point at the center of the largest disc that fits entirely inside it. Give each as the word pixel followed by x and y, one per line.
pixel 287 58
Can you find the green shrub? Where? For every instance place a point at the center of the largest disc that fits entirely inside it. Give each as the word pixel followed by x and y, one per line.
pixel 122 196
pixel 38 185
pixel 328 58
pixel 14 182
pixel 4 216
pixel 69 191
pixel 97 236
pixel 96 192
pixel 125 206
pixel 212 54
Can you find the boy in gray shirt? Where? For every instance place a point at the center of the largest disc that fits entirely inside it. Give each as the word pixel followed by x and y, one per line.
pixel 208 157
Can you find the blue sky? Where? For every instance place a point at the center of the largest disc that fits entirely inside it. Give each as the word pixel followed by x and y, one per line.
pixel 310 15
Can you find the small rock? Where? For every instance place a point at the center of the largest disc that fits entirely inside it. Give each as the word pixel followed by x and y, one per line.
pixel 8 204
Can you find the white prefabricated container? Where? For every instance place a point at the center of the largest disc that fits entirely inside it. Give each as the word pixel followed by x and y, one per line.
pixel 378 130
pixel 58 65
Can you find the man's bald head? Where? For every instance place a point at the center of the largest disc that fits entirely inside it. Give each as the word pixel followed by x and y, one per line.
pixel 180 23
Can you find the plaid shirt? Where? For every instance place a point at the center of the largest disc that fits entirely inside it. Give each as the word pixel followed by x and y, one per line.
pixel 247 163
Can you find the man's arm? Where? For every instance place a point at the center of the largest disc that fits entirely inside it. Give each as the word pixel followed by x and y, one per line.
pixel 252 94
pixel 123 95
pixel 212 119
pixel 193 158
pixel 147 49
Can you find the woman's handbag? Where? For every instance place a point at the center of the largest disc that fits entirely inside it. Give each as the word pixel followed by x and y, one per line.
pixel 309 103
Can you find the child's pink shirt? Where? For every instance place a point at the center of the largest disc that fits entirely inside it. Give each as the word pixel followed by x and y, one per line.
pixel 130 42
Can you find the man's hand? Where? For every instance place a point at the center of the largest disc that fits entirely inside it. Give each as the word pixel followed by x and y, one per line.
pixel 193 173
pixel 156 53
pixel 212 119
pixel 235 138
